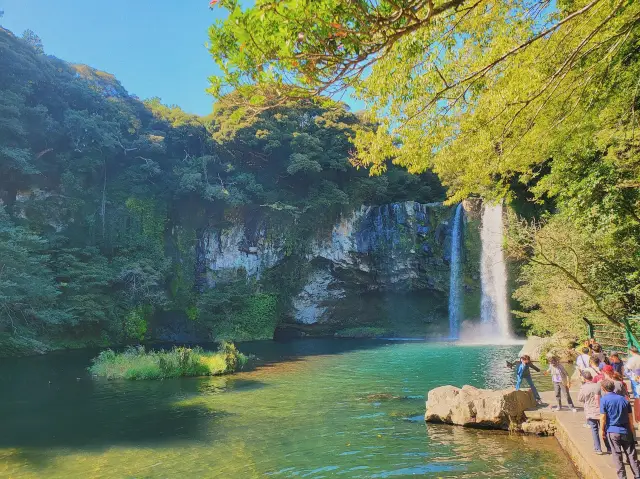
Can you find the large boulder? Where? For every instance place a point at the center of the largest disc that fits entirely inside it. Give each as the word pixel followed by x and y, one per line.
pixel 483 408
pixel 533 347
pixel 560 345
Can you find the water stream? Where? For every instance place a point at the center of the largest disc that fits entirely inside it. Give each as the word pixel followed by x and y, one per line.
pixel 313 409
pixel 494 307
pixel 455 288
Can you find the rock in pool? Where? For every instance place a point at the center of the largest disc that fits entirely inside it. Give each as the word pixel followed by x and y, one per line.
pixel 481 408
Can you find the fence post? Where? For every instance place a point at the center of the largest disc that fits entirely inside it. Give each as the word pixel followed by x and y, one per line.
pixel 590 329
pixel 631 339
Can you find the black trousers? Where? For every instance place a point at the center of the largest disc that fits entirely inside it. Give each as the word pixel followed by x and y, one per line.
pixel 624 445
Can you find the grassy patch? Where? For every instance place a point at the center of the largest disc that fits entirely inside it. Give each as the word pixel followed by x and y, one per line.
pixel 137 363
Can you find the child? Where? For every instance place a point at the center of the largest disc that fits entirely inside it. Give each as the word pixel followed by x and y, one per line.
pixel 560 380
pixel 524 373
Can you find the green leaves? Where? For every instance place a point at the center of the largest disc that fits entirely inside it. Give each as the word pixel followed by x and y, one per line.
pixel 27 287
pixel 108 197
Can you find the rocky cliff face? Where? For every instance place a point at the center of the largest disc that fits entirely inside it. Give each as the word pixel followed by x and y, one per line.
pixel 379 266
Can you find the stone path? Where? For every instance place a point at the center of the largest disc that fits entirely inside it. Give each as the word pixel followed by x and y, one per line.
pixel 576 439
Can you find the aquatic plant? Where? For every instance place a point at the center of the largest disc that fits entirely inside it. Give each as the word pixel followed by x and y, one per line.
pixel 138 363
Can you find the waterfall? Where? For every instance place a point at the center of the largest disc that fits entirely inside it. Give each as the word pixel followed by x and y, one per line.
pixel 494 306
pixel 454 279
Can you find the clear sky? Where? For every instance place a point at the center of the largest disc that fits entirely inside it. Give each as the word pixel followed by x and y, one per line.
pixel 155 48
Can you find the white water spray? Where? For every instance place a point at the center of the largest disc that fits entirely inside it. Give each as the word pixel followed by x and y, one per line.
pixel 455 289
pixel 494 306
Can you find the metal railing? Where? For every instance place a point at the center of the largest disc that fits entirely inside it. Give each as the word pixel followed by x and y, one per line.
pixel 615 339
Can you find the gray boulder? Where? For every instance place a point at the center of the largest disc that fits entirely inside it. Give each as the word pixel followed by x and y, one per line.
pixel 560 344
pixel 482 408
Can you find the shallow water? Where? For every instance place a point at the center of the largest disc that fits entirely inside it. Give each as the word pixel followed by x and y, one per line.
pixel 314 408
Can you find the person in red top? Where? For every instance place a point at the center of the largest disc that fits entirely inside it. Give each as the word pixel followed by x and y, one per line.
pixel 609 373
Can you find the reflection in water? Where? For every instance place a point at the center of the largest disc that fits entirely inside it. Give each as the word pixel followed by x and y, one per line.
pixel 355 412
pixel 512 455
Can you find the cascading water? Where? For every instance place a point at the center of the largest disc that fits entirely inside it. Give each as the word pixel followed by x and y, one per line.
pixel 494 306
pixel 454 280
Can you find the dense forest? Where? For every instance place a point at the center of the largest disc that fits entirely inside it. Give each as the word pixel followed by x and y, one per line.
pixel 528 102
pixel 103 198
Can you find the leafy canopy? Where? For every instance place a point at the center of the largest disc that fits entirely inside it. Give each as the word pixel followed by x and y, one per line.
pixel 483 91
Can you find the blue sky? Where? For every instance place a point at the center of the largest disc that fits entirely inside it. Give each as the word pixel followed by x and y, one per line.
pixel 155 48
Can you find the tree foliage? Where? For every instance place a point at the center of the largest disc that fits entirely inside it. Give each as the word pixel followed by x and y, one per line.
pixel 472 88
pixel 33 41
pixel 522 100
pixel 105 198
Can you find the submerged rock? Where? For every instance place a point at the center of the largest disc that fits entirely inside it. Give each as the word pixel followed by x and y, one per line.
pixel 483 408
pixel 383 397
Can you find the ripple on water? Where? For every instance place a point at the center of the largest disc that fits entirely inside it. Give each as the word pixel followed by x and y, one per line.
pixel 317 409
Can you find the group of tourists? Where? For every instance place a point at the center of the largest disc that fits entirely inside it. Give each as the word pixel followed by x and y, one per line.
pixel 607 403
pixel 605 394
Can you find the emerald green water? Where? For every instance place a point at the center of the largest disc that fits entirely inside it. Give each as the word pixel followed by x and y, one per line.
pixel 315 408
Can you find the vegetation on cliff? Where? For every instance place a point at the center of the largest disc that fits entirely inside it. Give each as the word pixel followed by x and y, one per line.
pixel 524 101
pixel 104 199
pixel 137 363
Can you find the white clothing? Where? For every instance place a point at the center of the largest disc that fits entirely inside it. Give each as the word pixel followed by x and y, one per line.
pixel 582 362
pixel 633 363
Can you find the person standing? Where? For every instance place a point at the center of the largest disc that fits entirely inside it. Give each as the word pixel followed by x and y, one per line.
pixel 590 395
pixel 560 380
pixel 593 368
pixel 525 373
pixel 582 361
pixel 616 363
pixel 616 425
pixel 599 353
pixel 599 375
pixel 619 387
pixel 632 369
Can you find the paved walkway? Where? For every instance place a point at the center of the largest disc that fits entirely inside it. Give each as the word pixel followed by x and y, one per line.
pixel 576 439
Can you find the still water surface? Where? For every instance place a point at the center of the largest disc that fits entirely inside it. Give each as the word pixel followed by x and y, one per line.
pixel 312 409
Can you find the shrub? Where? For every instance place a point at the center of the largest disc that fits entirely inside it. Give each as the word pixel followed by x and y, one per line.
pixel 137 363
pixel 135 324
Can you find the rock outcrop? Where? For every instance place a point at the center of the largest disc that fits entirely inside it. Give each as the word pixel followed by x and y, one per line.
pixel 481 408
pixel 560 345
pixel 542 427
pixel 374 265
